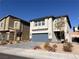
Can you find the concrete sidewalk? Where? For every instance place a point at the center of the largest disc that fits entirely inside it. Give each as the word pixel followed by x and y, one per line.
pixel 37 54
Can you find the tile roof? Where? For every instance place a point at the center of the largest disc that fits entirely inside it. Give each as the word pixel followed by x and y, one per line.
pixel 23 21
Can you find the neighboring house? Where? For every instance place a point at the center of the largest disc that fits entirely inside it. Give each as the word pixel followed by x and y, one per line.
pixel 50 28
pixel 75 34
pixel 76 29
pixel 13 28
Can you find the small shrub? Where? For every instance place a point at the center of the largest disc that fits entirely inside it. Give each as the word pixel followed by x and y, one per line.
pixel 37 47
pixel 67 47
pixel 66 40
pixel 54 48
pixel 49 48
pixel 46 45
pixel 10 41
pixel 3 42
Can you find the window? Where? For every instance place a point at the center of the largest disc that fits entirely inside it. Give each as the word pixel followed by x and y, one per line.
pixel 15 24
pixel 35 23
pixel 1 24
pixel 4 36
pixel 19 34
pixel 43 23
pixel 39 23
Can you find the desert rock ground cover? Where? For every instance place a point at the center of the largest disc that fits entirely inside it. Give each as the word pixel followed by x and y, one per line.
pixel 75 48
pixel 25 45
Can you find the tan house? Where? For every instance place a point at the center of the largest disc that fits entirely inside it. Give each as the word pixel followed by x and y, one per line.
pixel 13 28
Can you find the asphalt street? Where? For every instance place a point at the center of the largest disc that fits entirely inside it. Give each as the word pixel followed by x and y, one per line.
pixel 7 56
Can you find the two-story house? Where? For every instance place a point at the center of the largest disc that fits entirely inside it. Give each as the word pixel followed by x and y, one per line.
pixel 76 28
pixel 50 28
pixel 14 28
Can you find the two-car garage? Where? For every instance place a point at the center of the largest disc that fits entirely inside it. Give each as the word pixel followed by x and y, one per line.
pixel 41 37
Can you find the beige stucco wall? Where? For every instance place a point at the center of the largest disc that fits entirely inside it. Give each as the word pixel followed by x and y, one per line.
pixel 6 23
pixel 25 32
pixel 67 31
pixel 2 26
pixel 18 24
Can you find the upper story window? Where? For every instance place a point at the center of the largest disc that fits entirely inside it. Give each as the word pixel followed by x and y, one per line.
pixel 43 23
pixel 1 24
pixel 39 23
pixel 55 20
pixel 16 24
pixel 35 23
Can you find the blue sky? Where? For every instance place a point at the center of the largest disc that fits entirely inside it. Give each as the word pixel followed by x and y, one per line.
pixel 29 9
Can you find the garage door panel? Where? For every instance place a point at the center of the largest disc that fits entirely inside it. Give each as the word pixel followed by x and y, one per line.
pixel 40 37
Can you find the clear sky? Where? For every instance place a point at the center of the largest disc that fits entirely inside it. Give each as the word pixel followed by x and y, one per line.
pixel 29 9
